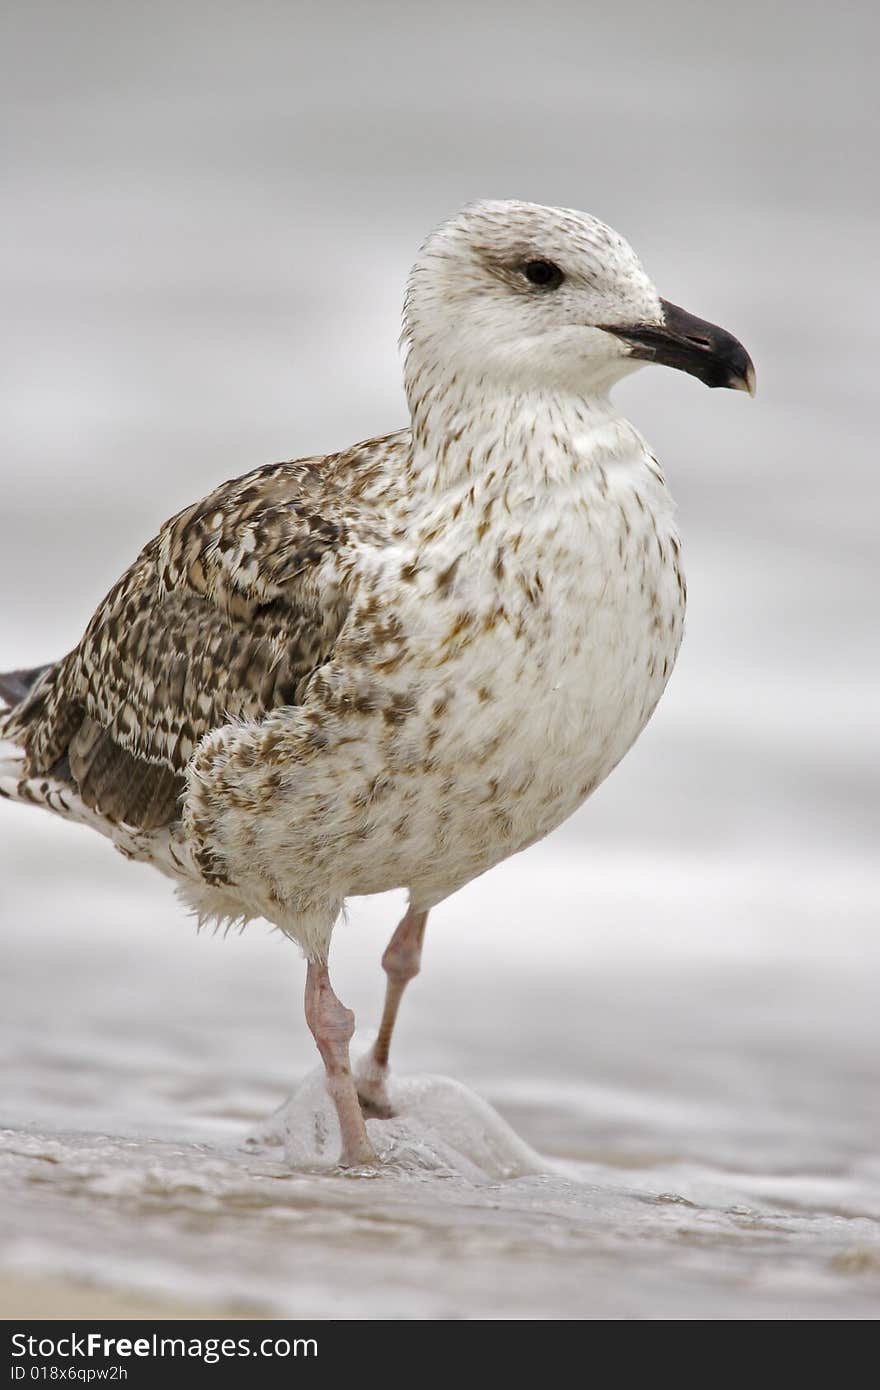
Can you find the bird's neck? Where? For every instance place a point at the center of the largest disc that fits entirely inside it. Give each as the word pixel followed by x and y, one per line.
pixel 480 435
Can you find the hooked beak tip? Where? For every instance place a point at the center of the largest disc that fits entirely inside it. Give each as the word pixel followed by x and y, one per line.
pixel 747 382
pixel 692 345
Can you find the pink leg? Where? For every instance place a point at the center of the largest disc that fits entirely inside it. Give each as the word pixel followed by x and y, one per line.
pixel 332 1026
pixel 401 963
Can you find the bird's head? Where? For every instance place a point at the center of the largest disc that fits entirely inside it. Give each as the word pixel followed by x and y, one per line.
pixel 524 297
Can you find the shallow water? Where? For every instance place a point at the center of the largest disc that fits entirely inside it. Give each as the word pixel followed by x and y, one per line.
pixel 673 1003
pixel 692 1108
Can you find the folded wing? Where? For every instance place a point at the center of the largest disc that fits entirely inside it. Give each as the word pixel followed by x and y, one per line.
pixel 223 616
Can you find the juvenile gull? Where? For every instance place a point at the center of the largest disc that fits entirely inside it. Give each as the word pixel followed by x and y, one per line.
pixel 396 665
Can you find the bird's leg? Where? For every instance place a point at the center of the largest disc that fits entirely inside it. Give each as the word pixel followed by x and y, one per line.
pixel 332 1026
pixel 400 962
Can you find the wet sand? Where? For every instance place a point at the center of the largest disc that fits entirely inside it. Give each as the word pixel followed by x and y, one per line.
pixel 46 1299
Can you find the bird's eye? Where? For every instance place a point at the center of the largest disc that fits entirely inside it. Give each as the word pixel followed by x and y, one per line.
pixel 543 273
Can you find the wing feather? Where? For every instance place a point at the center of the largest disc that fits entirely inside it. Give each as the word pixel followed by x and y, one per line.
pixel 224 616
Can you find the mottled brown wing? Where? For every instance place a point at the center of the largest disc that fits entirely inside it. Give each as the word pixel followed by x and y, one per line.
pixel 223 616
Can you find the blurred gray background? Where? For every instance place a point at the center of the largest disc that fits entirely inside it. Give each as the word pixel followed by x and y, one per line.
pixel 209 214
pixel 210 211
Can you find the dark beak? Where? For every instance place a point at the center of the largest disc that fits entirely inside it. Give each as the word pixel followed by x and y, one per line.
pixel 692 345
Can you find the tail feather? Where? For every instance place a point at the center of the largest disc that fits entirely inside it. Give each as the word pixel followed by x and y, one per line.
pixel 162 848
pixel 15 685
pixel 56 790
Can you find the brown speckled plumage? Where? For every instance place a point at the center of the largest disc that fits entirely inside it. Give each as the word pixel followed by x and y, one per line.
pixel 223 616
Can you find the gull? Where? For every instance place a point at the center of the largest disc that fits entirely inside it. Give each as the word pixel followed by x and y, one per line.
pixel 397 665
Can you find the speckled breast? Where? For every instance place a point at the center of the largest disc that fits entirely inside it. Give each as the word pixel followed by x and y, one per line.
pixel 537 669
